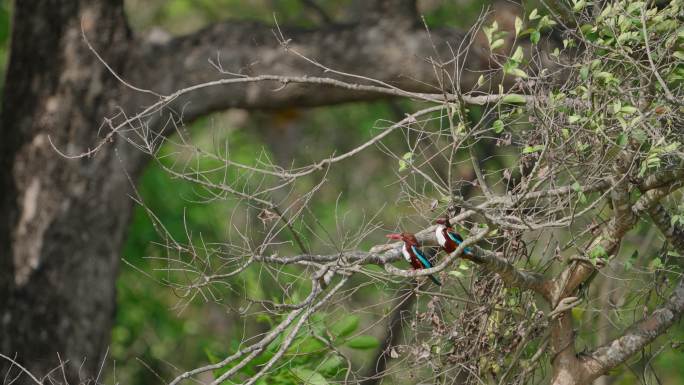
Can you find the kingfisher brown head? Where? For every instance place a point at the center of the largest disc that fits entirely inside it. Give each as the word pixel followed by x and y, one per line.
pixel 409 238
pixel 444 221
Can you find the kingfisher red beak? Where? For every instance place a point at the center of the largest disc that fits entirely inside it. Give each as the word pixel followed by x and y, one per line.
pixel 394 236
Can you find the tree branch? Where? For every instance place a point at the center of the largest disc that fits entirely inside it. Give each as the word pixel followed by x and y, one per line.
pixel 637 337
pixel 674 233
pixel 662 178
pixel 653 196
pixel 514 277
pixel 250 48
pixel 491 261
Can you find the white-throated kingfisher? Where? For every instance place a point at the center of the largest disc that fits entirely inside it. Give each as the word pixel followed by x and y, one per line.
pixel 413 254
pixel 448 238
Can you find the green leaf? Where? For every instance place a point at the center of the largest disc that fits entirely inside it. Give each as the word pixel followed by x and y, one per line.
pixel 535 36
pixel 577 313
pixel 672 147
pixel 656 264
pixel 628 109
pixel 635 6
pixel 517 72
pixel 581 146
pixel 308 376
pixel 639 135
pixel 584 73
pixel 514 98
pixel 527 32
pixel 518 54
pixel 580 194
pixel 604 75
pixel 574 119
pixel 405 161
pixel 480 80
pixel 305 345
pixel 679 55
pixel 489 31
pixel 534 14
pixel 587 28
pixel 582 198
pixel 498 43
pixel 363 342
pixel 345 326
pixel 579 5
pixel 532 149
pixel 621 139
pixel 597 252
pixel 330 365
pixel 616 106
pixel 546 22
pixel 498 126
pixel 317 323
pixel 518 25
pixel 456 273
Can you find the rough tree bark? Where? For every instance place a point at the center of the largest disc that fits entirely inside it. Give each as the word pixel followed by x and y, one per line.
pixel 63 221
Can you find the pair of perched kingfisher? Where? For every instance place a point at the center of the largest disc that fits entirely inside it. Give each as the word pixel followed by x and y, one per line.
pixel 447 238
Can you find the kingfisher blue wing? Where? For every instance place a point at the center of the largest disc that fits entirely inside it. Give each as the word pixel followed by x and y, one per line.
pixel 426 263
pixel 457 238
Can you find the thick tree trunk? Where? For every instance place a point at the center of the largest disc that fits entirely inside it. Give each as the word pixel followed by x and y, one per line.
pixel 63 221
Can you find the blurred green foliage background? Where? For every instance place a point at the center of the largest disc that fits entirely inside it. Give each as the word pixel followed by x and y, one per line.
pixel 157 331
